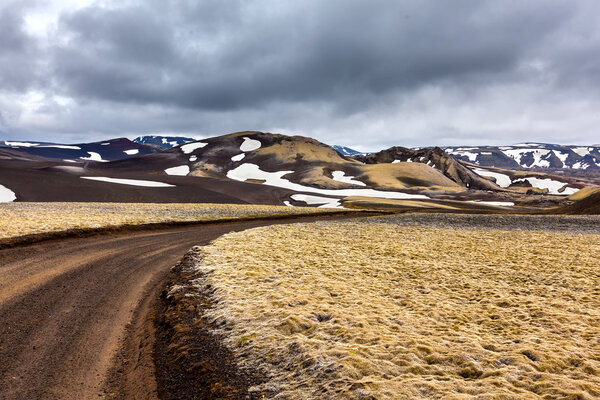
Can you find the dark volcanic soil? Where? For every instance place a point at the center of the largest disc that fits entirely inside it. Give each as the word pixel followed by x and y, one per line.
pixel 47 181
pixel 67 307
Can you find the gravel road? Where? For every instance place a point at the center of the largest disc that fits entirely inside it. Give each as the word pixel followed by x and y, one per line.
pixel 67 307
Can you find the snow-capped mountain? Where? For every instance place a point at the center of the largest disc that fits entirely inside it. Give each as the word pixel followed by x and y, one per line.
pixel 167 142
pixel 346 151
pixel 530 155
pixel 109 150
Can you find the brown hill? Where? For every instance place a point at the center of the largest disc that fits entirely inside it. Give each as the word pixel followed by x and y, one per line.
pixel 435 157
pixel 590 204
pixel 313 164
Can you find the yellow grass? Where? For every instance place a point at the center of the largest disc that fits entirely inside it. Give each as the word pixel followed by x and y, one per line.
pixel 18 219
pixel 363 310
pixel 405 174
pixel 363 201
pixel 584 193
pixel 294 148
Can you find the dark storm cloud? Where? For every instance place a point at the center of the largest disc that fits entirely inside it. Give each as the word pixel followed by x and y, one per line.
pixel 215 57
pixel 19 54
pixel 400 70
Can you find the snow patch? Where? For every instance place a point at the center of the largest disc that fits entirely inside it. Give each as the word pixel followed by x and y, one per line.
pixel 464 153
pixel 287 203
pixel 131 182
pixel 396 161
pixel 188 148
pixel 193 158
pixel 131 152
pixel 582 151
pixel 181 170
pixel 550 184
pixel 60 146
pixel 252 171
pixel 501 179
pixel 65 160
pixel 104 144
pixel 562 157
pixel 250 144
pixel 340 177
pixel 93 157
pixel 21 144
pixel 494 203
pixel 323 202
pixel 7 195
pixel 238 157
pixel 517 155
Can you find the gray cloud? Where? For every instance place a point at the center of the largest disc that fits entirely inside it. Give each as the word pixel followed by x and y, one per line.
pixel 369 74
pixel 19 53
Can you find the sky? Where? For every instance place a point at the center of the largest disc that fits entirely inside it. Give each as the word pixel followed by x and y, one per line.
pixel 366 74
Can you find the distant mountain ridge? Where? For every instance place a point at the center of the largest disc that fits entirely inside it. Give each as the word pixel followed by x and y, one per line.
pixel 168 142
pixel 107 150
pixel 346 151
pixel 267 168
pixel 530 156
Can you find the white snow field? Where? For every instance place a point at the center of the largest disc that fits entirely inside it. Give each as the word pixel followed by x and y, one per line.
pixel 93 157
pixel 463 152
pixel 59 146
pixel 131 152
pixel 517 154
pixel 502 180
pixel 131 182
pixel 7 195
pixel 21 144
pixel 188 148
pixel 250 144
pixel 340 177
pixel 238 157
pixel 252 171
pixel 582 151
pixel 562 156
pixel 550 184
pixel 181 170
pixel 325 202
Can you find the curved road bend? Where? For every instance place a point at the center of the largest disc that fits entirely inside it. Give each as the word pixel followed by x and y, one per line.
pixel 65 304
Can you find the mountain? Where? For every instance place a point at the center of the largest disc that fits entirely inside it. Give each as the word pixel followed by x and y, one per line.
pixel 163 141
pixel 530 156
pixel 109 150
pixel 266 168
pixel 434 157
pixel 346 151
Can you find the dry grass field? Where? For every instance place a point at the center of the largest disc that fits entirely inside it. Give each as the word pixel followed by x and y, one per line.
pixel 382 308
pixel 18 219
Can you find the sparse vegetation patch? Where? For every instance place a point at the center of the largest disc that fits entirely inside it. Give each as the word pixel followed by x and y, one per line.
pixel 379 310
pixel 18 219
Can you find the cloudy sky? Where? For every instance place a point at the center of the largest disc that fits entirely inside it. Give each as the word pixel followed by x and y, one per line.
pixel 366 74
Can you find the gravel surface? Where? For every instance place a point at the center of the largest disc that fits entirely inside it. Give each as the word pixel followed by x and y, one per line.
pixel 551 223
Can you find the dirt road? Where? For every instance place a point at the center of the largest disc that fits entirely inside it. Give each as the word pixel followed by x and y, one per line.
pixel 65 305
